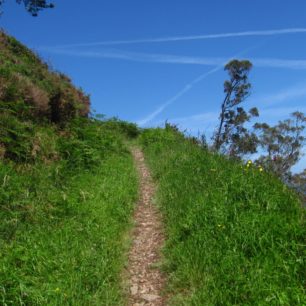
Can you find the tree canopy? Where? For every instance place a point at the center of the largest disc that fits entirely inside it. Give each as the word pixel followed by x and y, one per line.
pixel 282 144
pixel 231 136
pixel 32 6
pixel 280 147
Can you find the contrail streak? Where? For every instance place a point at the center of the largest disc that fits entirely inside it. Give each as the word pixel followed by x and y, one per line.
pixel 186 88
pixel 192 37
pixel 136 57
pixel 298 64
pixel 189 86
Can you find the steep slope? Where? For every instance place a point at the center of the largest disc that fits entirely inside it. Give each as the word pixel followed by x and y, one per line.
pixel 68 186
pixel 24 77
pixel 235 234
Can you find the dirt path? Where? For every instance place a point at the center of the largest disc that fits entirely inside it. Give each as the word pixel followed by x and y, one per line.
pixel 146 281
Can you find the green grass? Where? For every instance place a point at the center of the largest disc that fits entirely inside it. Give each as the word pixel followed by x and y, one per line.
pixel 26 79
pixel 235 235
pixel 67 189
pixel 71 254
pixel 63 222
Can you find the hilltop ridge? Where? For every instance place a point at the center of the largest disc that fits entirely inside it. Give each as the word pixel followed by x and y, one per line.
pixel 26 78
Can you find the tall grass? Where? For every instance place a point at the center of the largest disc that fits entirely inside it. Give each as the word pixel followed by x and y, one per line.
pixel 235 234
pixel 67 188
pixel 63 220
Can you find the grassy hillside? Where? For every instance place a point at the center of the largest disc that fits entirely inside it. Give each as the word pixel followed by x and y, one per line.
pixel 68 186
pixel 24 77
pixel 235 234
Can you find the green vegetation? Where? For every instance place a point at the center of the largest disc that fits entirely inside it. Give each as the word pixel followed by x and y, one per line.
pixel 231 137
pixel 68 186
pixel 62 228
pixel 235 233
pixel 280 146
pixel 29 89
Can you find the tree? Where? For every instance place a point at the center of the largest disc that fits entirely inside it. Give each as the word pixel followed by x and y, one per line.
pixel 282 144
pixel 231 136
pixel 298 181
pixel 239 140
pixel 33 6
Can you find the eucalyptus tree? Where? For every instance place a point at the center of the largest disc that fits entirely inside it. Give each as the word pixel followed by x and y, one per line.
pixel 231 137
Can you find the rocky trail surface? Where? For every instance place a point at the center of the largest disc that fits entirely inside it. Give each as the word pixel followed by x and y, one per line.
pixel 145 280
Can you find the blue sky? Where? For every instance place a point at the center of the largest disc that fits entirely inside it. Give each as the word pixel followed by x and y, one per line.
pixel 151 61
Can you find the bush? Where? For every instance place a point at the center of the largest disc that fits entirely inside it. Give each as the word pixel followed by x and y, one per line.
pixel 130 130
pixel 87 142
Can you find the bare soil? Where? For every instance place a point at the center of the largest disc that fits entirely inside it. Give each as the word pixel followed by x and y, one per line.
pixel 145 279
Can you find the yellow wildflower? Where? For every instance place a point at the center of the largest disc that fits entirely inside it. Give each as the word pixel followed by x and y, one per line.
pixel 249 163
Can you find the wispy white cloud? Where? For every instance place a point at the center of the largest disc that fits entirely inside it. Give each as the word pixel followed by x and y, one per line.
pixel 176 59
pixel 279 113
pixel 210 117
pixel 270 111
pixel 194 123
pixel 186 89
pixel 288 94
pixel 191 37
pixel 136 56
pixel 279 63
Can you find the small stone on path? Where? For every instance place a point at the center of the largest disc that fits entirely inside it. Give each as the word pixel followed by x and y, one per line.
pixel 150 297
pixel 134 289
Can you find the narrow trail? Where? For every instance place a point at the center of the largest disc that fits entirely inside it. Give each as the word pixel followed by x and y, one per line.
pixel 146 281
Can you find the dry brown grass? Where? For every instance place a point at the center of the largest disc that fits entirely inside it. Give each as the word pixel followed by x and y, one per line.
pixel 32 94
pixel 26 78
